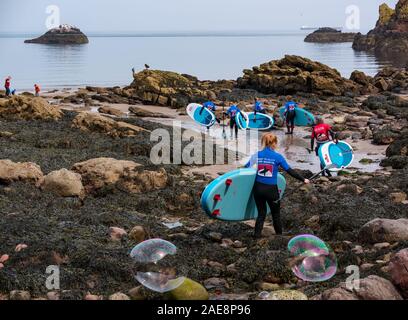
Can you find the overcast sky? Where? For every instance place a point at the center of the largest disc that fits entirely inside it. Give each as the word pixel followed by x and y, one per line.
pixel 185 15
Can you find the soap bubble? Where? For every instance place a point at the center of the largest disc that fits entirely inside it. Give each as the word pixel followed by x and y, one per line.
pixel 312 259
pixel 152 270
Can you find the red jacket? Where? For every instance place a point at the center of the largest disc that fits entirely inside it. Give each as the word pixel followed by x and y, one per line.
pixel 321 133
pixel 37 88
pixel 7 84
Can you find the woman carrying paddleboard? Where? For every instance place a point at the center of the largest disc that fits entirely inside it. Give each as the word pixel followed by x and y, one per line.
pixel 267 162
pixel 322 133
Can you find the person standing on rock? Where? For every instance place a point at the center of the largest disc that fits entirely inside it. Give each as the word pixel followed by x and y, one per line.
pixel 290 114
pixel 7 85
pixel 37 90
pixel 267 162
pixel 322 133
pixel 231 113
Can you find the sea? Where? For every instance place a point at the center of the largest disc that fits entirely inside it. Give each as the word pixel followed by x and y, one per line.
pixel 108 59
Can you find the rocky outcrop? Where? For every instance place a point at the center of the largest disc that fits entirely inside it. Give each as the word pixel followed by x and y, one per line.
pixel 110 111
pixel 371 288
pixel 94 122
pixel 64 183
pixel 330 35
pixel 167 88
pixel 294 74
pixel 390 35
pixel 137 181
pixel 26 108
pixel 384 230
pixel 21 171
pixel 391 79
pixel 64 34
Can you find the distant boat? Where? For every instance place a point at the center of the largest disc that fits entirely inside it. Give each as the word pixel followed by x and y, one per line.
pixel 316 28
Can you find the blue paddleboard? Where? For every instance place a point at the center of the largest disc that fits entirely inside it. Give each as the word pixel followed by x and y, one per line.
pixel 260 121
pixel 230 197
pixel 242 120
pixel 303 117
pixel 201 115
pixel 340 154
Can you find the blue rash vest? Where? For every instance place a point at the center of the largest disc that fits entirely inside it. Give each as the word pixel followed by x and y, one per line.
pixel 268 162
pixel 290 107
pixel 233 111
pixel 258 107
pixel 210 106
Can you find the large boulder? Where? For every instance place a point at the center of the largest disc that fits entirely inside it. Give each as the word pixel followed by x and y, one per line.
pixel 329 35
pixel 390 35
pixel 94 122
pixel 28 108
pixel 371 288
pixel 64 183
pixel 64 34
pixel 21 171
pixel 294 74
pixel 397 152
pixel 384 230
pixel 398 269
pixel 168 88
pixel 101 172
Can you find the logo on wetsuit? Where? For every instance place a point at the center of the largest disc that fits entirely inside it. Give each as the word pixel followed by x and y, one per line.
pixel 265 170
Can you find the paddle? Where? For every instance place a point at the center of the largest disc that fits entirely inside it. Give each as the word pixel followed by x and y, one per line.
pixel 330 166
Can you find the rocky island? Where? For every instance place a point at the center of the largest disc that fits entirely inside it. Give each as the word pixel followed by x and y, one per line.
pixel 64 34
pixel 389 38
pixel 330 35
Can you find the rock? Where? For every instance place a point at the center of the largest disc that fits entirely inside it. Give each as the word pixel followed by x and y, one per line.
pixel 384 230
pixel 139 112
pixel 4 258
pixel 136 181
pixel 25 108
pixel 20 171
pixel 92 297
pixel 358 250
pixel 64 34
pixel 350 188
pixel 389 37
pixel 20 247
pixel 339 120
pixel 396 162
pixel 398 269
pixel 119 296
pixel 64 183
pixel 20 295
pixel 94 122
pixel 101 172
pixel 117 234
pixel 215 236
pixel 385 136
pixel 111 111
pixel 398 197
pixel 53 295
pixel 136 293
pixel 287 295
pixel 294 74
pixel 382 245
pixel 266 286
pixel 215 283
pixel 329 35
pixel 167 88
pixel 189 290
pixel 371 288
pixel 137 234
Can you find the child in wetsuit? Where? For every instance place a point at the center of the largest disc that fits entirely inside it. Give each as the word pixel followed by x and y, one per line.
pixel 231 113
pixel 267 162
pixel 290 114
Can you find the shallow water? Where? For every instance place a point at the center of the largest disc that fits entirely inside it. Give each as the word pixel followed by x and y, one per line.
pixel 107 61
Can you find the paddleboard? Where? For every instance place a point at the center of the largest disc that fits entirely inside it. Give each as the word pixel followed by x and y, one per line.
pixel 242 120
pixel 202 116
pixel 230 197
pixel 340 154
pixel 260 121
pixel 303 117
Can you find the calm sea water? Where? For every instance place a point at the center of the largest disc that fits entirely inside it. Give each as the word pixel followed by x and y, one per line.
pixel 107 61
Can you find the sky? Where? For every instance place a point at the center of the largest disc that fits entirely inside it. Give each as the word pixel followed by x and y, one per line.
pixel 187 16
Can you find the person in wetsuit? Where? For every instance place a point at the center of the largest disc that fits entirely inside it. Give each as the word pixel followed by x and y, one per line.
pixel 290 114
pixel 258 107
pixel 268 162
pixel 322 133
pixel 231 113
pixel 211 107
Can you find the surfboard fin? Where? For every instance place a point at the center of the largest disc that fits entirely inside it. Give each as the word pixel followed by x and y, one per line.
pixel 228 182
pixel 216 213
pixel 217 197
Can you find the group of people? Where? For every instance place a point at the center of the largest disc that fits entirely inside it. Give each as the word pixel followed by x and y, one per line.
pixel 267 161
pixel 11 92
